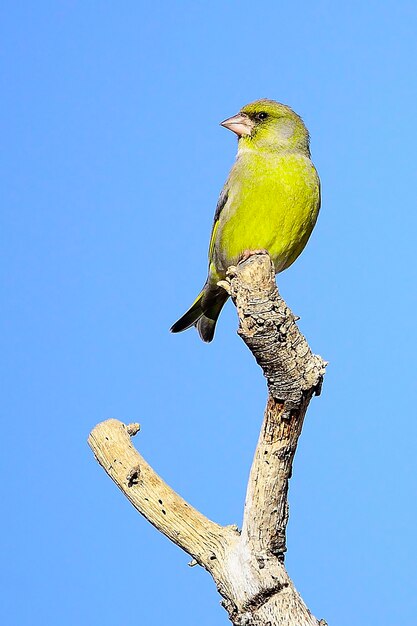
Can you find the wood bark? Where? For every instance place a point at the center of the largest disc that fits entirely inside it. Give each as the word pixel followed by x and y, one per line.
pixel 248 565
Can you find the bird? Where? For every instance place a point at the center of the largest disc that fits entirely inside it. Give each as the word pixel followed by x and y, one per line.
pixel 270 201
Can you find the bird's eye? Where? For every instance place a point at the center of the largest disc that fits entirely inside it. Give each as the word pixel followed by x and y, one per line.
pixel 262 115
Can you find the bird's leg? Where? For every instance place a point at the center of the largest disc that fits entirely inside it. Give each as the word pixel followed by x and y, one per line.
pixel 246 254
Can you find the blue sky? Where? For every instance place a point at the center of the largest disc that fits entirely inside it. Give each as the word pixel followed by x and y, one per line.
pixel 112 162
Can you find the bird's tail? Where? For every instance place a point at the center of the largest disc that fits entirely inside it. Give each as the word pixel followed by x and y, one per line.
pixel 203 313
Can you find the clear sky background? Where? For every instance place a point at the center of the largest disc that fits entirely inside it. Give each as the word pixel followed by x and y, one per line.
pixel 112 160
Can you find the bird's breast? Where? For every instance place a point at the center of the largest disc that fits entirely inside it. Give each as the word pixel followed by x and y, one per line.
pixel 272 204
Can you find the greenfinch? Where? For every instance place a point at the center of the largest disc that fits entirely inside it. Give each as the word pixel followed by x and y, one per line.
pixel 270 202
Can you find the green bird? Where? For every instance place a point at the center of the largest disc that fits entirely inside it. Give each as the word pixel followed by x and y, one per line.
pixel 270 201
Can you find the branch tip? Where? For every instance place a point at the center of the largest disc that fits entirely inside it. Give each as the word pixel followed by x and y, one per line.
pixel 224 284
pixel 231 271
pixel 133 429
pixel 234 528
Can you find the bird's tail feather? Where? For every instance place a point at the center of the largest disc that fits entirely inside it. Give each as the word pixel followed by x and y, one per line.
pixel 206 327
pixel 190 317
pixel 203 313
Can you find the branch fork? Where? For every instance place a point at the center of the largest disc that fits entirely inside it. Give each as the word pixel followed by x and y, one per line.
pixel 248 565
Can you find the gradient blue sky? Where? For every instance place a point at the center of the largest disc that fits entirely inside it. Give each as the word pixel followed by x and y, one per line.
pixel 112 160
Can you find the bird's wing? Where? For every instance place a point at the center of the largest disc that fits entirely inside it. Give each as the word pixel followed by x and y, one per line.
pixel 219 208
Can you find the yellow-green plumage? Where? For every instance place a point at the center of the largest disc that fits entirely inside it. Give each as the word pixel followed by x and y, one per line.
pixel 270 201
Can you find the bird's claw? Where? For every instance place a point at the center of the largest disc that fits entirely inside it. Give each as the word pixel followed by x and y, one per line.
pixel 246 254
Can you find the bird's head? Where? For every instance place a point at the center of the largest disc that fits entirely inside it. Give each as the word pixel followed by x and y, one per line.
pixel 267 125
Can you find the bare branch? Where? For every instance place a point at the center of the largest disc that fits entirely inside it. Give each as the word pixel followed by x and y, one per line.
pixel 293 374
pixel 248 568
pixel 152 497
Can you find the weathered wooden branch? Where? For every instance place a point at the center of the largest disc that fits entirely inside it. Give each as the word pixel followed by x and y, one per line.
pixel 247 566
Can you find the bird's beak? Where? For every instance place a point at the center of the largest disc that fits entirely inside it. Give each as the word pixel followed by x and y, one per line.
pixel 240 124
